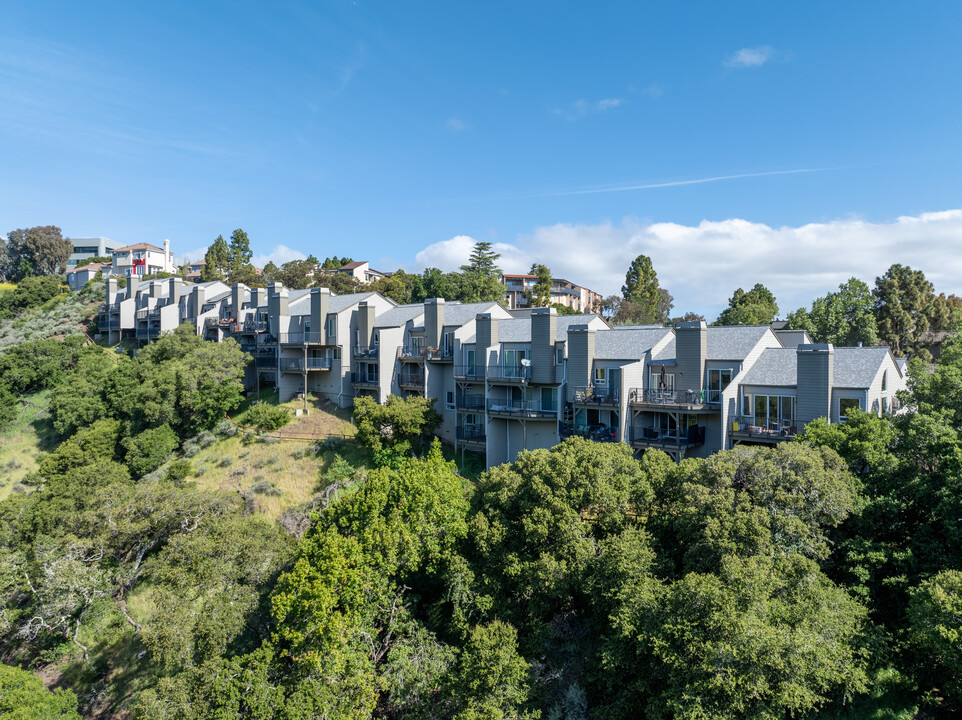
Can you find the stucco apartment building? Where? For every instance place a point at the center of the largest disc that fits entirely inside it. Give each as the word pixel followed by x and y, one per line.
pixel 504 381
pixel 563 292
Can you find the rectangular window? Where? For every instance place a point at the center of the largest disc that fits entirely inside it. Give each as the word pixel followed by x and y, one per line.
pixel 601 376
pixel 447 343
pixel 718 380
pixel 549 399
pixel 559 356
pixel 846 406
pixel 331 328
pixel 469 361
pixel 449 400
pixel 657 381
pixel 417 344
pixel 513 367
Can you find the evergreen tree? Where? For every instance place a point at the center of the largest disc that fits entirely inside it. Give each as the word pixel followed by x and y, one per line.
pixel 755 307
pixel 239 259
pixel 482 261
pixel 217 261
pixel 541 294
pixel 644 301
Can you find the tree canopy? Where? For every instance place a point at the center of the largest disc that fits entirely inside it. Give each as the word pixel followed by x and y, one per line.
pixel 40 250
pixel 755 307
pixel 844 318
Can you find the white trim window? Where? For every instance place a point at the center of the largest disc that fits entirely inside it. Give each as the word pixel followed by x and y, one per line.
pixel 601 376
pixel 449 400
pixel 845 406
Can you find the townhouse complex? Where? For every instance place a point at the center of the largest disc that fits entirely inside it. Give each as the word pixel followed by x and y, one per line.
pixel 508 380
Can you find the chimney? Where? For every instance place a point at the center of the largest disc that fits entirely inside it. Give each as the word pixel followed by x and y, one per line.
pixel 813 389
pixel 237 294
pixel 259 297
pixel 133 285
pixel 485 333
pixel 277 308
pixel 365 323
pixel 581 357
pixel 320 306
pixel 155 287
pixel 544 329
pixel 168 258
pixel 691 353
pixel 111 291
pixel 433 321
pixel 198 298
pixel 175 287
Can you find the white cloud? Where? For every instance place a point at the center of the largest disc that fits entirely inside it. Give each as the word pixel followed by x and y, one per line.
pixel 701 265
pixel 456 124
pixel 749 57
pixel 278 255
pixel 582 108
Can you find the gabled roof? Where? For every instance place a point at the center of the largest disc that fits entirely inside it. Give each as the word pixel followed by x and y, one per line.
pixel 456 313
pixel 733 342
pixel 852 367
pixel 857 367
pixel 666 355
pixel 518 330
pixel 399 316
pixel 339 303
pixel 793 338
pixel 89 266
pixel 353 265
pixel 628 343
pixel 138 246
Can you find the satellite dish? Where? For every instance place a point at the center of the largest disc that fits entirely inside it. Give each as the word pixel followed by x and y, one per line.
pixel 525 362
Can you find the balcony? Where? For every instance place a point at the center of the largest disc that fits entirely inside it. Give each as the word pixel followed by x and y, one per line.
pixel 141 314
pixel 411 381
pixel 304 364
pixel 594 395
pixel 471 403
pixel 471 434
pixel 365 351
pixel 671 399
pixel 509 374
pixel 762 429
pixel 265 361
pixel 266 339
pixel 300 338
pixel 442 354
pixel 474 373
pixel 255 326
pixel 411 353
pixel 362 379
pixel 521 409
pixel 648 437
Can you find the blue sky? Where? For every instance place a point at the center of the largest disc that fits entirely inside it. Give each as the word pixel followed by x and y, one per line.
pixel 574 134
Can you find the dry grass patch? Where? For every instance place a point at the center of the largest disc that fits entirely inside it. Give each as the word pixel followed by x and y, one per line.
pixel 22 441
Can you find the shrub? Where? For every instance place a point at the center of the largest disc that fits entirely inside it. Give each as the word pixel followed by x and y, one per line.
pixel 191 448
pixel 265 487
pixel 264 462
pixel 225 428
pixel 148 450
pixel 206 439
pixel 226 461
pixel 178 470
pixel 268 417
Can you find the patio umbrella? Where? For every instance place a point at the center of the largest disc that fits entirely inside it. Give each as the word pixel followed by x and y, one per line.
pixel 661 381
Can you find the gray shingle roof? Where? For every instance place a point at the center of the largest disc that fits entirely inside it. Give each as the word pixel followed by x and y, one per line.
pixel 733 343
pixel 399 316
pixel 627 343
pixel 776 366
pixel 857 367
pixel 518 330
pixel 340 303
pixel 458 314
pixel 793 338
pixel 665 356
pixel 852 367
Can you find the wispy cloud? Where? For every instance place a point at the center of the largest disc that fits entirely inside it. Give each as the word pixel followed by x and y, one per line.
pixel 702 264
pixel 676 183
pixel 278 255
pixel 455 124
pixel 750 57
pixel 582 108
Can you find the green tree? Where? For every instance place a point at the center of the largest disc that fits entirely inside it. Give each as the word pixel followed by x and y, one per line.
pixel 904 305
pixel 935 635
pixel 239 257
pixel 148 450
pixel 31 292
pixel 393 430
pixel 755 307
pixel 24 697
pixel 216 261
pixel 483 260
pixel 541 293
pixel 844 318
pixel 643 300
pixel 40 250
pixel 81 398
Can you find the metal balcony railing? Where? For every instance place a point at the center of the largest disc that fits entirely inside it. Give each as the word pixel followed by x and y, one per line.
pixel 470 402
pixel 362 378
pixel 302 364
pixel 265 361
pixel 595 395
pixel 141 314
pixel 521 408
pixel 469 372
pixel 685 398
pixel 763 428
pixel 414 353
pixel 411 379
pixel 255 326
pixel 441 353
pixel 655 437
pixel 513 373
pixel 471 433
pixel 365 351
pixel 300 338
